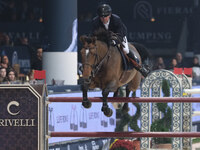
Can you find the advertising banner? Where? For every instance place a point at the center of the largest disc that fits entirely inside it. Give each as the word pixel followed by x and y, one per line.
pixel 89 144
pixel 73 117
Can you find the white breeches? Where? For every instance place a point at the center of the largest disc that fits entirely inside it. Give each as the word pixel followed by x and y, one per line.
pixel 125 43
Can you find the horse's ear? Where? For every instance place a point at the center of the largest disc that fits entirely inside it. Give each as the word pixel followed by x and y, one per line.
pixel 83 38
pixel 94 38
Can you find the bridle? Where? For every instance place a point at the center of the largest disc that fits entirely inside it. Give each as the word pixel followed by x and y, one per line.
pixel 97 63
pixel 92 66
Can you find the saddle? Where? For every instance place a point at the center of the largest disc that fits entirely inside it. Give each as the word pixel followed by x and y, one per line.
pixel 116 41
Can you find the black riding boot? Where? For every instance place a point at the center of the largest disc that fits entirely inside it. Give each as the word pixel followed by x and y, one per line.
pixel 143 69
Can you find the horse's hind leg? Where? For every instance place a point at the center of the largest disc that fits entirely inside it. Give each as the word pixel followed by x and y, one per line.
pixel 107 111
pixel 132 86
pixel 125 107
pixel 116 93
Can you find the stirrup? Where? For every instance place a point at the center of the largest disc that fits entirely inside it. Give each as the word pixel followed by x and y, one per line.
pixel 144 70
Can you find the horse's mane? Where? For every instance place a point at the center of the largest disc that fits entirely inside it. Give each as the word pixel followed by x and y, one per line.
pixel 103 35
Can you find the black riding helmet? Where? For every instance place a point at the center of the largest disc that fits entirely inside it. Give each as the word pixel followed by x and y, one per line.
pixel 104 10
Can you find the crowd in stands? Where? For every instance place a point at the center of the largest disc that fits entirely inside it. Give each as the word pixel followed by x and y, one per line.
pixel 9 74
pixel 5 40
pixel 179 62
pixel 21 10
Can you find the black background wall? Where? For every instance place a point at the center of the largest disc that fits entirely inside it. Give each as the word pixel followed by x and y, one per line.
pixel 164 27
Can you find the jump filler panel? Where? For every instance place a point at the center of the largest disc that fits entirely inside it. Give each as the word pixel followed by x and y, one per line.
pixel 22 123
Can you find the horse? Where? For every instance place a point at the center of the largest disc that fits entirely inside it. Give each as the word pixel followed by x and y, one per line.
pixel 103 68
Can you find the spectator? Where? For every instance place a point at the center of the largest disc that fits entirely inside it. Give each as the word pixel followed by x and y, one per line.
pixel 22 41
pixel 5 40
pixel 31 77
pixel 37 62
pixel 179 59
pixel 5 63
pixel 2 74
pixel 196 69
pixel 159 64
pixel 173 64
pixel 11 76
pixel 195 62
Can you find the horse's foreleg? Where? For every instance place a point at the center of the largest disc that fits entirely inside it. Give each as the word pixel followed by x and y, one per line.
pixel 107 111
pixel 105 96
pixel 86 103
pixel 127 91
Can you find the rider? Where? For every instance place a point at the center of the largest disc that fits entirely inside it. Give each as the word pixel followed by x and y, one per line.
pixel 112 22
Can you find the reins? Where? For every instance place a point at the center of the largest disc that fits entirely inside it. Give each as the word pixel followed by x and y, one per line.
pixel 115 37
pixel 99 65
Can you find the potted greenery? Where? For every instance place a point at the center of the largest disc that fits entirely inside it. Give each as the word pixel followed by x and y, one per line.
pixel 165 123
pixel 122 144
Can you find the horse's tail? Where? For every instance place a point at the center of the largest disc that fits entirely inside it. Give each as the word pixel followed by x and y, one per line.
pixel 144 53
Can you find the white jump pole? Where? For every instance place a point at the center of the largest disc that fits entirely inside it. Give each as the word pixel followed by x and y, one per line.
pixel 192 91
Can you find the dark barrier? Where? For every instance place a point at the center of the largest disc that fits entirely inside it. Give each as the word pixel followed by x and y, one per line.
pixel 158 25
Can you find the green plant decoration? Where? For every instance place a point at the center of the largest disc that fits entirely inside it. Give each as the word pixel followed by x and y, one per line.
pixel 165 123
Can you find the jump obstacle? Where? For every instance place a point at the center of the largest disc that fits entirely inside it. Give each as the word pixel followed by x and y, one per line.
pixel 181 110
pixel 150 87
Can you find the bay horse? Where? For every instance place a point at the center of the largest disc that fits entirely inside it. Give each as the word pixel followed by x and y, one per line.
pixel 103 68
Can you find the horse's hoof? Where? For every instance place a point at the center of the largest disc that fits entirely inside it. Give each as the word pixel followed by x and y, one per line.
pixel 108 112
pixel 125 110
pixel 87 104
pixel 104 108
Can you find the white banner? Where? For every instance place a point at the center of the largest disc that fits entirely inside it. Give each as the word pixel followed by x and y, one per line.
pixel 73 117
